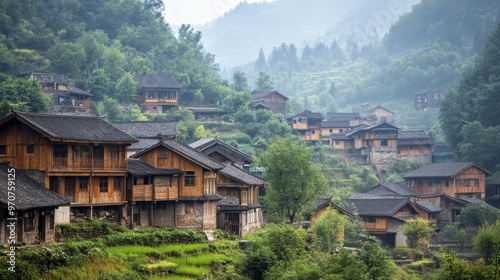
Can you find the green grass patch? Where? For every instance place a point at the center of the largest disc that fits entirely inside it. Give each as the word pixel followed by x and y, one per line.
pixel 171 277
pixel 167 248
pixel 191 270
pixel 199 260
pixel 159 267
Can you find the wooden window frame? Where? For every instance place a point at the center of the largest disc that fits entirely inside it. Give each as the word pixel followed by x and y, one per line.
pixel 30 149
pixel 29 220
pixel 103 184
pixel 189 179
pixel 3 150
pixel 83 184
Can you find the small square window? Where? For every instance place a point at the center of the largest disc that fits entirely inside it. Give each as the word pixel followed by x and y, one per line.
pixel 163 154
pixel 30 149
pixel 189 179
pixel 372 219
pixel 103 184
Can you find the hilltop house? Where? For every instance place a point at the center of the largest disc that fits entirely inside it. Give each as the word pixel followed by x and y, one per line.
pixel 81 158
pixel 63 97
pixel 383 215
pixel 455 179
pixel 415 146
pixel 196 205
pixel 428 99
pixel 307 125
pixel 376 115
pixel 35 206
pixel 272 100
pixel 157 92
pixel 207 113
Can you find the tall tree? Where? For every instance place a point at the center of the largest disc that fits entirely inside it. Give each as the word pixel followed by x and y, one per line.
pixel 23 94
pixel 240 82
pixel 264 82
pixel 260 63
pixel 294 180
pixel 126 89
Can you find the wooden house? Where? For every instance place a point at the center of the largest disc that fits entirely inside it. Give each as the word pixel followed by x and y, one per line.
pixel 324 204
pixel 63 97
pixel 307 125
pixel 383 215
pixel 415 146
pixel 341 141
pixel 32 219
pixel 196 206
pixel 375 115
pixel 272 100
pixel 222 152
pixel 81 158
pixel 239 211
pixel 147 133
pixel 157 92
pixel 379 135
pixel 492 195
pixel 152 194
pixel 455 179
pixel 207 114
pixel 428 99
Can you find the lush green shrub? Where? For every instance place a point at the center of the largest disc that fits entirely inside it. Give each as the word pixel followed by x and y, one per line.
pixel 45 258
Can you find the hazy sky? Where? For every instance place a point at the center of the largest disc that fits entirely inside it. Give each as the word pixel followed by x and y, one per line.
pixel 199 11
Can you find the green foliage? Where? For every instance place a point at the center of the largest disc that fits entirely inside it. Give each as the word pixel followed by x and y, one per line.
pixel 487 242
pixel 478 213
pixel 480 144
pixel 294 180
pixel 415 230
pixel 4 108
pixel 264 83
pixel 454 233
pixel 126 89
pixel 329 231
pixel 454 268
pixel 23 95
pixel 376 260
pixel 407 253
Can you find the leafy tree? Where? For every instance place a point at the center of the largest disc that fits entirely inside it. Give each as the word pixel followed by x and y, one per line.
pixel 260 63
pixel 23 95
pixel 478 213
pixel 376 260
pixel 480 144
pixel 294 180
pixel 346 265
pixel 454 268
pixel 240 82
pixel 257 260
pixel 126 89
pixel 453 232
pixel 4 108
pixel 99 84
pixel 415 230
pixel 264 83
pixel 329 231
pixel 487 242
pixel 200 132
pixel 67 58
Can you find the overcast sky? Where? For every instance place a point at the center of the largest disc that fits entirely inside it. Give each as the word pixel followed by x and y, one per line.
pixel 199 11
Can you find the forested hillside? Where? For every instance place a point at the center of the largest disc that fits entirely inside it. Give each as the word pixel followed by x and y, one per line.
pixel 424 50
pixel 98 44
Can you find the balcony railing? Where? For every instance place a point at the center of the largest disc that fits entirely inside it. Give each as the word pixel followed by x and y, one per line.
pixel 63 163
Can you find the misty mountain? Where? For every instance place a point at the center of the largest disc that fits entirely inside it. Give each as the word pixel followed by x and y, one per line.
pixel 236 37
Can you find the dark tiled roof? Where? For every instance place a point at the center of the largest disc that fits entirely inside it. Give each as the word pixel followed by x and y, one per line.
pixel 206 143
pixel 241 175
pixel 138 167
pixel 340 136
pixel 381 108
pixel 29 194
pixel 406 138
pixel 442 170
pixel 378 126
pixel 323 202
pixel 147 129
pixel 256 95
pixel 429 206
pixel 78 91
pixel 156 81
pixel 144 143
pixel 373 205
pixel 328 124
pixel 386 188
pixel 49 78
pixel 342 116
pixel 309 115
pixel 186 151
pixel 78 128
pixel 205 110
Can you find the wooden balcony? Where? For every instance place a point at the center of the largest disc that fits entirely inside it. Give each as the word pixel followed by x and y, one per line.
pixel 145 193
pixel 63 163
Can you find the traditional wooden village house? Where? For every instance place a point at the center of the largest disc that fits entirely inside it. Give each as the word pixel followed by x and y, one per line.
pixel 196 206
pixel 455 179
pixel 157 92
pixel 148 133
pixel 324 204
pixel 428 99
pixel 239 211
pixel 63 97
pixel 341 141
pixel 81 158
pixel 152 194
pixel 307 125
pixel 271 100
pixel 33 214
pixel 222 152
pixel 383 215
pixel 207 114
pixel 415 146
pixel 376 115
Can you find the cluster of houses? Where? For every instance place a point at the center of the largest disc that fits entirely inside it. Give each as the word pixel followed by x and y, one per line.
pixel 71 168
pixel 74 168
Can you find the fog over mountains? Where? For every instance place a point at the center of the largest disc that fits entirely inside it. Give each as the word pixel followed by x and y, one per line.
pixel 237 37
